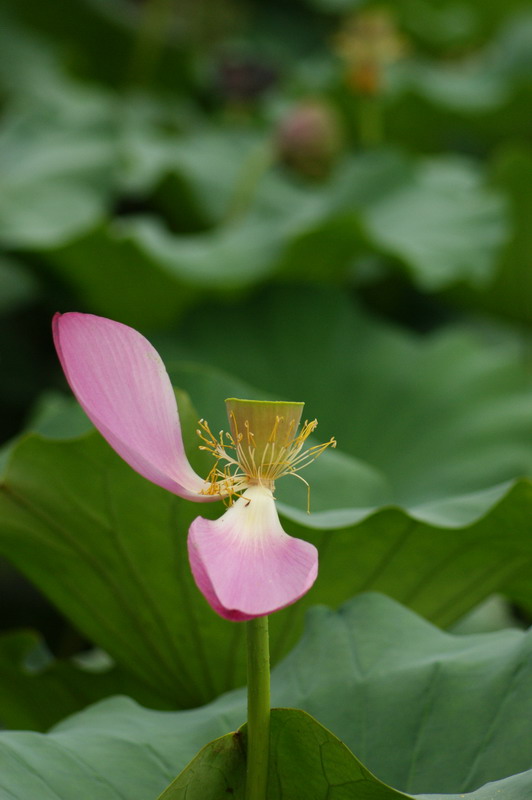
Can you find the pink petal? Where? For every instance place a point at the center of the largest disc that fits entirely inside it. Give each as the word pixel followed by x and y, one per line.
pixel 123 387
pixel 245 564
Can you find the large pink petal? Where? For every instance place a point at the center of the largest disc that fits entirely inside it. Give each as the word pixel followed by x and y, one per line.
pixel 123 387
pixel 245 564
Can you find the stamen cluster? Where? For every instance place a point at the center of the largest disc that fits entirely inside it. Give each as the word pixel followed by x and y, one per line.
pixel 240 463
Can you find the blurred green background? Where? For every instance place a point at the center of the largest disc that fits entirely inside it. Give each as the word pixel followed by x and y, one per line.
pixel 325 197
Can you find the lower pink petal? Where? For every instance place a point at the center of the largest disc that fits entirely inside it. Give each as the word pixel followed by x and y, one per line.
pixel 245 565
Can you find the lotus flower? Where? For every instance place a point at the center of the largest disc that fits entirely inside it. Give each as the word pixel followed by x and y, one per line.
pixel 245 565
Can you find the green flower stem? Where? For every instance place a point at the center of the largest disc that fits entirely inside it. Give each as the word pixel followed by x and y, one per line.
pixel 258 708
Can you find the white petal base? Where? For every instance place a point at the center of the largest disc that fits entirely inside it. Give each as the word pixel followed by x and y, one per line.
pixel 245 565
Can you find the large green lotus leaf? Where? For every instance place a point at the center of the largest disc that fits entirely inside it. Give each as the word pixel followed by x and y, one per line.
pixel 470 85
pixel 511 48
pixel 441 416
pixel 73 147
pixel 136 271
pixel 441 222
pixel 115 556
pixel 424 711
pixel 54 416
pixel 56 178
pixel 306 760
pixel 435 216
pixel 25 56
pixel 224 259
pixel 509 294
pixel 440 553
pixel 146 126
pixel 198 174
pixel 470 88
pixel 37 691
pixel 58 144
pixel 116 278
pixel 217 165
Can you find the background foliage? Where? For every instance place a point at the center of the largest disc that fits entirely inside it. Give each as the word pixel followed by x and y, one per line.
pixel 326 201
